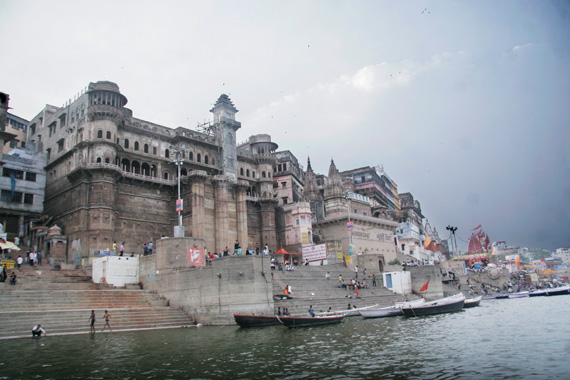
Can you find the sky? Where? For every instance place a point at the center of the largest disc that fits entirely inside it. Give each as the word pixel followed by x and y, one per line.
pixel 465 104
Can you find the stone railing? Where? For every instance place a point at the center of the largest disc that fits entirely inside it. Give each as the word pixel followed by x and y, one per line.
pixel 129 174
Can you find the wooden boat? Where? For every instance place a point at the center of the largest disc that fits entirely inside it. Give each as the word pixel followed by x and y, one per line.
pixel 389 311
pixel 472 302
pixel 501 296
pixel 519 295
pixel 488 297
pixel 346 313
pixel 557 291
pixel 440 306
pixel 537 293
pixel 249 320
pixel 296 321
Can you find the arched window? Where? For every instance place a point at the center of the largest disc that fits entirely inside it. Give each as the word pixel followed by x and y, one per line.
pixel 198 157
pixel 136 145
pixel 183 172
pixel 268 174
pixel 107 160
pixel 253 173
pixel 247 172
pixel 263 174
pixel 146 148
pixel 126 144
pixel 213 161
pixel 165 175
pixel 145 169
pixel 191 156
pixel 118 142
pixel 206 159
pixel 167 155
pixel 108 135
pixel 241 171
pixel 98 160
pixel 99 134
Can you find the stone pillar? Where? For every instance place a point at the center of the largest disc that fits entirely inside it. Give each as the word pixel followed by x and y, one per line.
pixel 241 213
pixel 222 219
pixel 268 234
pixel 198 177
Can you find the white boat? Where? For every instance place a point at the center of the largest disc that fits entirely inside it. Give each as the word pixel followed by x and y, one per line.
pixel 389 311
pixel 440 306
pixel 472 302
pixel 346 313
pixel 519 295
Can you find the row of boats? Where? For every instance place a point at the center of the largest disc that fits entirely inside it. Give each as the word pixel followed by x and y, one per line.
pixel 562 290
pixel 411 309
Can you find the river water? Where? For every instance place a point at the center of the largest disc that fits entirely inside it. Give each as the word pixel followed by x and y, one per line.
pixel 526 338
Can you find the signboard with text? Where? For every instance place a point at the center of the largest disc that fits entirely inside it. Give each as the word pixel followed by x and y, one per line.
pixel 179 205
pixel 315 252
pixel 349 226
pixel 195 257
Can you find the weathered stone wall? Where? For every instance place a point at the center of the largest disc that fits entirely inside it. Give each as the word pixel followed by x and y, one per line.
pixel 420 275
pixel 211 293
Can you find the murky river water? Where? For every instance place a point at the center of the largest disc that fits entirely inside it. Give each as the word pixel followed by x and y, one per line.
pixel 519 338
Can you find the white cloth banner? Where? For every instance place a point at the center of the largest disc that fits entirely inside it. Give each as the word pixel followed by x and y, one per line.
pixel 315 252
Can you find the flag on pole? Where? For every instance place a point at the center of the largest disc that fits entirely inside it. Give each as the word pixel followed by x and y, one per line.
pixel 424 288
pixel 476 228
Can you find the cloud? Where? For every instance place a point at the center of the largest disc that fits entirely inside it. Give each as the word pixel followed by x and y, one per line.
pixel 343 103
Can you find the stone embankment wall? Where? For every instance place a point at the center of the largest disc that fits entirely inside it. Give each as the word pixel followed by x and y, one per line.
pixel 420 275
pixel 210 294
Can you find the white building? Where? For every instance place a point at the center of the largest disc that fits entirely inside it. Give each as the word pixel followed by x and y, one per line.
pixel 564 254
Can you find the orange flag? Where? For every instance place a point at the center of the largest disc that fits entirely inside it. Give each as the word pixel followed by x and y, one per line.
pixel 424 288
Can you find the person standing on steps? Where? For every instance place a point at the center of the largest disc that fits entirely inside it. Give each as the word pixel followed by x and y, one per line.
pixel 356 272
pixel 92 319
pixel 107 317
pixel 114 248
pixel 373 280
pixel 122 249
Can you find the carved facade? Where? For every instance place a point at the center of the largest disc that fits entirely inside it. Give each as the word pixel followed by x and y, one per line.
pixel 111 176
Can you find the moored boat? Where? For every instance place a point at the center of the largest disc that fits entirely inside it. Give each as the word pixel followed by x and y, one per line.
pixel 519 295
pixel 389 311
pixel 557 291
pixel 291 321
pixel 346 313
pixel 472 302
pixel 249 320
pixel 440 306
pixel 537 293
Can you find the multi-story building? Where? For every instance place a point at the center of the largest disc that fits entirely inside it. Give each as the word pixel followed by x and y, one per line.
pixel 113 177
pixel 374 183
pixel 5 137
pixel 563 254
pixel 17 126
pixel 294 225
pixel 22 187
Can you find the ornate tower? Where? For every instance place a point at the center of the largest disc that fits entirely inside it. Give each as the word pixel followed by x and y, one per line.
pixel 225 125
pixel 313 195
pixel 335 202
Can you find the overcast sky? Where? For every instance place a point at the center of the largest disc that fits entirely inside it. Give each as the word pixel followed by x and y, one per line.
pixel 466 104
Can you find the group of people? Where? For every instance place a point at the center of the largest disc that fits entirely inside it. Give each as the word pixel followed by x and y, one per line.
pixel 285 312
pixel 106 318
pixel 147 249
pixel 4 276
pixel 38 330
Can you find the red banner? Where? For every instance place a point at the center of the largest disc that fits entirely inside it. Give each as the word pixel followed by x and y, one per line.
pixel 195 257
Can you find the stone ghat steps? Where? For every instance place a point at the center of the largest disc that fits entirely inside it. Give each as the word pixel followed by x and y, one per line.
pixel 311 288
pixel 45 277
pixel 22 300
pixel 19 324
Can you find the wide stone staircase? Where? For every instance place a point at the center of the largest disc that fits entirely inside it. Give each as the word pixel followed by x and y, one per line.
pixel 310 287
pixel 61 301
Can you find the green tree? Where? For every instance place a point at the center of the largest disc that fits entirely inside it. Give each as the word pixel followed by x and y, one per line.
pixel 538 254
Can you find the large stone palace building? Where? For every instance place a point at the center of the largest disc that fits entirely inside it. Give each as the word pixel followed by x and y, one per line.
pixel 113 177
